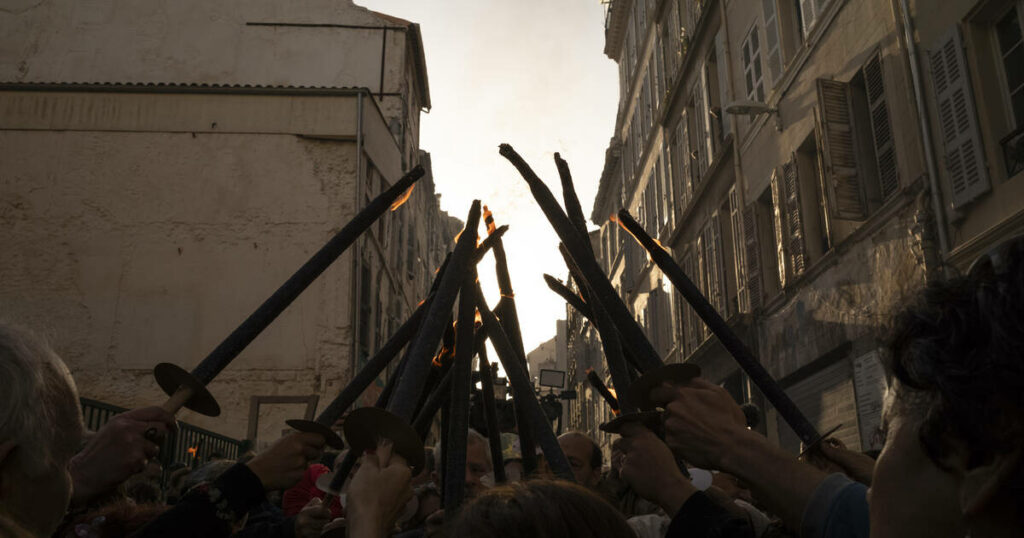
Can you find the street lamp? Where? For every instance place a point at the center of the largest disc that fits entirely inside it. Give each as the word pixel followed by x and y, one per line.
pixel 750 108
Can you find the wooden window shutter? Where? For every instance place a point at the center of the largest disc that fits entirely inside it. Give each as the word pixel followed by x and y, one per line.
pixel 779 222
pixel 964 155
pixel 704 280
pixel 881 128
pixel 752 256
pixel 739 250
pixel 716 261
pixel 845 195
pixel 723 82
pixel 700 115
pixel 794 221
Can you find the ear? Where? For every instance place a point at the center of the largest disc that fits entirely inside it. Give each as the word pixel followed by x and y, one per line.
pixel 982 484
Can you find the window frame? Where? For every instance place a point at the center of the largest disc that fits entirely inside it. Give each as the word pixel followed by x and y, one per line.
pixel 749 67
pixel 1000 64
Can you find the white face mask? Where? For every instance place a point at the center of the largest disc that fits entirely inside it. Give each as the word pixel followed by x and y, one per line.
pixel 487 480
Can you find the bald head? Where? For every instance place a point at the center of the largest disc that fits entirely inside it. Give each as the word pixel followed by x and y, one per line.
pixel 584 457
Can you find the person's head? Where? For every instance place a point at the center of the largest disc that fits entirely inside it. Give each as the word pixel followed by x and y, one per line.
pixel 584 457
pixel 40 430
pixel 539 509
pixel 478 463
pixel 207 472
pixel 951 464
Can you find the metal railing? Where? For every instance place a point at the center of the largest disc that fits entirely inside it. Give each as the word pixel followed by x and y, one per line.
pixel 177 445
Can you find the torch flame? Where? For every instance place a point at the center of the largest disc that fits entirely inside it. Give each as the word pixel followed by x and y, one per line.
pixel 589 370
pixel 489 220
pixel 192 450
pixel 403 198
pixel 478 318
pixel 441 356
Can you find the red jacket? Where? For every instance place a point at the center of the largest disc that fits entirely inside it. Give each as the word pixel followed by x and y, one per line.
pixel 300 494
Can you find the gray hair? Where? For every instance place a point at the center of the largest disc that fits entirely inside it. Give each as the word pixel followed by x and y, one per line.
pixel 473 438
pixel 38 401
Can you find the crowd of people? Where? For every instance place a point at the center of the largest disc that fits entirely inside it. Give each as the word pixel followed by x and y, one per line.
pixel 951 464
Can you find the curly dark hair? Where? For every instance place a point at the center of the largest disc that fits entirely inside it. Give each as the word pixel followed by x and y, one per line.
pixel 539 509
pixel 960 347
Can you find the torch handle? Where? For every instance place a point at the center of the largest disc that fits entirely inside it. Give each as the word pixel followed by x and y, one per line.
pixel 732 343
pixel 267 312
pixel 178 399
pixel 523 391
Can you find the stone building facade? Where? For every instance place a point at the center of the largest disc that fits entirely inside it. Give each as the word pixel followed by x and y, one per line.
pixel 809 164
pixel 167 167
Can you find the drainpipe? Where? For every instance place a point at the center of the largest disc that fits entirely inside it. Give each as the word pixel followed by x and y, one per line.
pixel 356 253
pixel 924 124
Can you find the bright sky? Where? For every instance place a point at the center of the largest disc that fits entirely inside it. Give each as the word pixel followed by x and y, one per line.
pixel 530 73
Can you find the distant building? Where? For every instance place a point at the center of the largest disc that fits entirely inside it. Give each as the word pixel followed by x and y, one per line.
pixel 809 168
pixel 166 167
pixel 551 355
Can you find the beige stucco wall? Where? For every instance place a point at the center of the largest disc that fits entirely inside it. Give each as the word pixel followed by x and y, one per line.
pixel 190 41
pixel 129 249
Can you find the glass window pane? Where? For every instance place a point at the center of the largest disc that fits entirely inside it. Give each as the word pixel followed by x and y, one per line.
pixel 1018 107
pixel 1008 30
pixel 754 45
pixel 1014 63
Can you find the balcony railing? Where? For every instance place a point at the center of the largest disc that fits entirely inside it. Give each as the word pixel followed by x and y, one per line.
pixel 176 446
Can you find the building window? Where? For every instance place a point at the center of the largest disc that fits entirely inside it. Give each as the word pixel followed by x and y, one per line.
pixel 1011 50
pixel 860 171
pixel 768 241
pixel 670 42
pixel 772 40
pixel 752 74
pixel 365 312
pixel 810 13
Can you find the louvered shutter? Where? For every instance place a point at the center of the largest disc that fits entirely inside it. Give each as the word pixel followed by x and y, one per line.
pixel 752 256
pixel 779 222
pixel 687 318
pixel 772 47
pixel 794 220
pixel 964 155
pixel 716 262
pixel 723 82
pixel 686 158
pixel 881 128
pixel 700 115
pixel 704 280
pixel 845 194
pixel 739 250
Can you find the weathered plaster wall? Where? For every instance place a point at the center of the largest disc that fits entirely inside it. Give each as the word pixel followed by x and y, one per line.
pixel 851 301
pixel 129 249
pixel 190 41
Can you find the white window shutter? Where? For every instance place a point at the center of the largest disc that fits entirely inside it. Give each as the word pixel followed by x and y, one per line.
pixel 846 198
pixel 794 220
pixel 779 220
pixel 723 82
pixel 881 128
pixel 958 121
